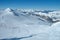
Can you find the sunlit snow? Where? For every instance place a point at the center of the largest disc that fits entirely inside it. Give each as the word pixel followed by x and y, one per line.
pixel 16 24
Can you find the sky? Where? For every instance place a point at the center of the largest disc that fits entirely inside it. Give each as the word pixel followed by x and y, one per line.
pixel 30 4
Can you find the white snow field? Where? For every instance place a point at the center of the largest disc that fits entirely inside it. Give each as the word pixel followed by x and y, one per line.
pixel 22 24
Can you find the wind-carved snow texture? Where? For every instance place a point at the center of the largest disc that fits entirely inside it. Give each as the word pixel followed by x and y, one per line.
pixel 23 24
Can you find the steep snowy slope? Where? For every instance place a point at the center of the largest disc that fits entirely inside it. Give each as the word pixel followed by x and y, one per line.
pixel 29 24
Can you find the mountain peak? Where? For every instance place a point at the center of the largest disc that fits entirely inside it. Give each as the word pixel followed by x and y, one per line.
pixel 8 9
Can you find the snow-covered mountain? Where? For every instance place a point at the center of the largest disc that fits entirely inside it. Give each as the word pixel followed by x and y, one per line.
pixel 22 24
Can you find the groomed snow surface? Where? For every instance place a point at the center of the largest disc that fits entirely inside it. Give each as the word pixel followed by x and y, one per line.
pixel 29 24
